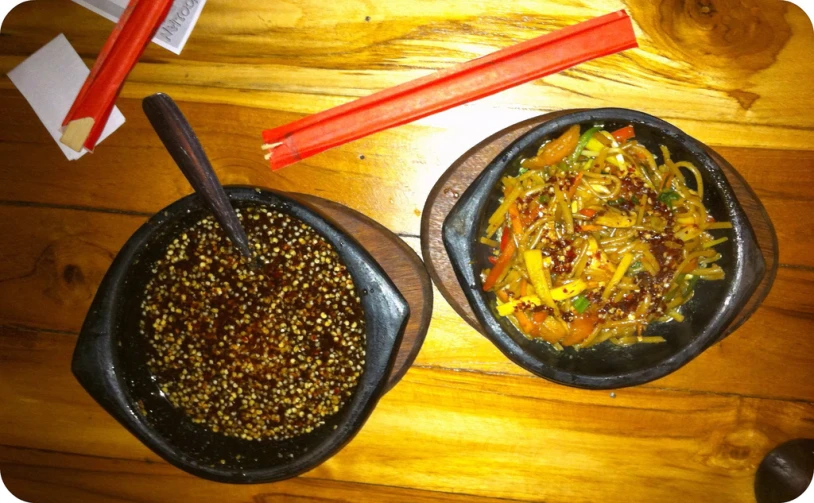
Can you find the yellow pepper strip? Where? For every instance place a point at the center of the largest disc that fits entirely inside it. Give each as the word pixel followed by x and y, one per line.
pixel 595 145
pixel 547 274
pixel 615 219
pixel 508 308
pixel 497 218
pixel 534 266
pixel 719 225
pixel 500 212
pixel 570 290
pixel 710 244
pixel 627 258
pixel 675 315
pixel 592 245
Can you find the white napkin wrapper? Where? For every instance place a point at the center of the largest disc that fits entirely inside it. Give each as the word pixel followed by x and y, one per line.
pixel 50 80
pixel 173 32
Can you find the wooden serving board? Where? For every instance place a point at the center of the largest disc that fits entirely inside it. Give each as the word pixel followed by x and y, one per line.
pixel 401 264
pixel 466 168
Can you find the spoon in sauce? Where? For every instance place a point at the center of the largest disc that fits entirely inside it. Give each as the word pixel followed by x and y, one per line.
pixel 181 142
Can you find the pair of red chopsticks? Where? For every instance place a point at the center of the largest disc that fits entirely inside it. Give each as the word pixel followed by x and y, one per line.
pixel 445 89
pixel 392 107
pixel 90 111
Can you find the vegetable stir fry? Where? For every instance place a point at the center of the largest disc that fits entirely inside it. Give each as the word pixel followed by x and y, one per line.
pixel 594 239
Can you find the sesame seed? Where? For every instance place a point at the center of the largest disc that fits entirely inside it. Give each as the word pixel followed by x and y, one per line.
pixel 255 360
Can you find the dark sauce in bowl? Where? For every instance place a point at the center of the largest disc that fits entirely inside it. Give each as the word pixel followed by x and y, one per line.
pixel 110 360
pixel 254 353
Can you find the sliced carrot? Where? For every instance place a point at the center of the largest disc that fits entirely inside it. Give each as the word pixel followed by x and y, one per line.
pixel 533 163
pixel 573 189
pixel 492 259
pixel 523 287
pixel 551 330
pixel 504 238
pixel 581 328
pixel 500 266
pixel 587 212
pixel 503 296
pixel 514 216
pixel 538 318
pixel 560 148
pixel 624 134
pixel 524 321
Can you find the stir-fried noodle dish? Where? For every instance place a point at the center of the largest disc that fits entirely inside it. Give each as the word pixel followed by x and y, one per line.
pixel 596 237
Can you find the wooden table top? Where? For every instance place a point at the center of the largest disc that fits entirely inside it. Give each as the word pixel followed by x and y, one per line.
pixel 465 423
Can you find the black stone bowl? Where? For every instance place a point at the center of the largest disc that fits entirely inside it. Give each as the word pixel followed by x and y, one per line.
pixel 110 356
pixel 605 366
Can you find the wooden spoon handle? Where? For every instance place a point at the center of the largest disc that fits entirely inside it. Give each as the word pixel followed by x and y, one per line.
pixel 184 147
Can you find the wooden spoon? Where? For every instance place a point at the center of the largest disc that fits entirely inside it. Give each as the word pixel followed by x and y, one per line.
pixel 180 141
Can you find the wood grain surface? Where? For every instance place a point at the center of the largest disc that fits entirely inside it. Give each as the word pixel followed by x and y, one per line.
pixel 464 424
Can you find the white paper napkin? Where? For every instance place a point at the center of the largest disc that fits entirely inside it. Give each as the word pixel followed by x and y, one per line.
pixel 50 79
pixel 174 30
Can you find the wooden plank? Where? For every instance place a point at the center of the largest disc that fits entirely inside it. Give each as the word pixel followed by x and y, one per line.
pixel 134 173
pixel 52 266
pixel 250 48
pixel 37 475
pixel 55 258
pixel 659 444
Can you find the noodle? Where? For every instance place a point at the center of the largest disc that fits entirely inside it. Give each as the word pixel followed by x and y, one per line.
pixel 603 242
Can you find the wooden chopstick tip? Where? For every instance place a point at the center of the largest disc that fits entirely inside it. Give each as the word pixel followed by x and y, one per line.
pixel 270 148
pixel 76 133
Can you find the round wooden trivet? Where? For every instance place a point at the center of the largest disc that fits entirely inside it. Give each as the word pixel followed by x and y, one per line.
pixel 463 172
pixel 401 264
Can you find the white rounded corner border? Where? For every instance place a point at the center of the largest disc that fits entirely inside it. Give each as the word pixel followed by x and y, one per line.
pixel 806 6
pixel 7 6
pixel 5 495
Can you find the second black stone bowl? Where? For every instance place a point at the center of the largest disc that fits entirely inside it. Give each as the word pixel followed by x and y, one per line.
pixel 713 307
pixel 110 356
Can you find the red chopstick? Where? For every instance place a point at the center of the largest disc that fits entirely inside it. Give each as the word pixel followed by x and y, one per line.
pixel 448 88
pixel 90 111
